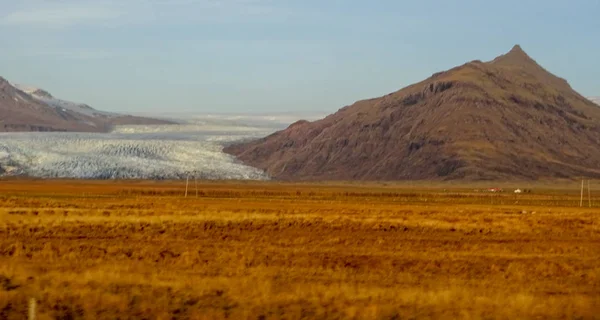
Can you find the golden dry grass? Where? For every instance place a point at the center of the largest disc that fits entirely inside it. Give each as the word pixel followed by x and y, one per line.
pixel 139 250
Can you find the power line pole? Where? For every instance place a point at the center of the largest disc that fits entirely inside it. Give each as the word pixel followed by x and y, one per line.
pixel 187 182
pixel 581 200
pixel 589 194
pixel 32 306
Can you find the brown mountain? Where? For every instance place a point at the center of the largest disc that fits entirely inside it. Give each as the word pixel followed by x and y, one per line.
pixel 37 110
pixel 504 119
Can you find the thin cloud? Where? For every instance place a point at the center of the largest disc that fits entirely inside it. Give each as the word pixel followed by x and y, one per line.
pixel 68 53
pixel 72 53
pixel 65 16
pixel 69 13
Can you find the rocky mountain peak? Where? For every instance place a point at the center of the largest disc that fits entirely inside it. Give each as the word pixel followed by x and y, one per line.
pixel 505 119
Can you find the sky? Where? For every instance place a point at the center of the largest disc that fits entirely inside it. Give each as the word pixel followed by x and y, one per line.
pixel 278 56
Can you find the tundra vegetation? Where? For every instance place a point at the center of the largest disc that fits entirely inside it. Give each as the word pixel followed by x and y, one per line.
pixel 267 250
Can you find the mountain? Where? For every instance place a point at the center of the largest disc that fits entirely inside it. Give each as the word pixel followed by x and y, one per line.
pixel 595 100
pixel 21 112
pixel 45 97
pixel 25 108
pixel 508 118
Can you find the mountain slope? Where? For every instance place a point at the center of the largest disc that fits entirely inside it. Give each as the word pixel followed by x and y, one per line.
pixel 46 98
pixel 21 112
pixel 25 108
pixel 595 100
pixel 507 118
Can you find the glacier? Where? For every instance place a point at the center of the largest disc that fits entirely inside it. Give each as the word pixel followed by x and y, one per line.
pixel 131 152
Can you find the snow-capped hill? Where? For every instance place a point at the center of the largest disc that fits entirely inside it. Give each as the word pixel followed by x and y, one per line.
pixel 33 91
pixel 45 97
pixel 28 108
pixel 595 100
pixel 41 93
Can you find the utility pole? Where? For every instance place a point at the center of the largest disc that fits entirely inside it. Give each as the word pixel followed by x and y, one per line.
pixel 32 306
pixel 581 200
pixel 589 194
pixel 187 182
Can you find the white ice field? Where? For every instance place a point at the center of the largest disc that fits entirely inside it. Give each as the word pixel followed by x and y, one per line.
pixel 132 152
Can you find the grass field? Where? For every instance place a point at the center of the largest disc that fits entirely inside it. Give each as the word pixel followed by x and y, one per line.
pixel 140 250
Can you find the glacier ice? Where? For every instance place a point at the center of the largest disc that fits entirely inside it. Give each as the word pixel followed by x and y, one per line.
pixel 130 152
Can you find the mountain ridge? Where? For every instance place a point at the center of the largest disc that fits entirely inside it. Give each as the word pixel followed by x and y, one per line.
pixel 27 108
pixel 479 121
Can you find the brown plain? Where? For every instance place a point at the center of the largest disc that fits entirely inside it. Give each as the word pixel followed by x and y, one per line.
pixel 140 250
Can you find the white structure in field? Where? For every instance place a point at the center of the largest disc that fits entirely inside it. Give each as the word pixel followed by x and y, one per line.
pixel 518 191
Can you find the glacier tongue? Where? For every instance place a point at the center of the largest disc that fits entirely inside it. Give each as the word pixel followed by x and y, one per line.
pixel 128 154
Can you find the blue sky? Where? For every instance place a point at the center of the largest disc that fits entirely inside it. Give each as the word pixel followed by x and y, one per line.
pixel 265 56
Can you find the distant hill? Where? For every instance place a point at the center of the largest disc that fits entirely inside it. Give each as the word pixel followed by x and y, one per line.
pixel 508 118
pixel 26 108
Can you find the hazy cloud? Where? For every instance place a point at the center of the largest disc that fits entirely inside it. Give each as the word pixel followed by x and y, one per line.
pixel 61 16
pixel 72 53
pixel 68 13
